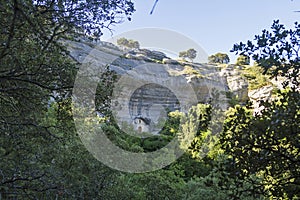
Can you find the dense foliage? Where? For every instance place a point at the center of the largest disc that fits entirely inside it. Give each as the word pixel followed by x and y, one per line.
pixel 256 155
pixel 190 54
pixel 243 60
pixel 129 43
pixel 41 157
pixel 267 144
pixel 219 58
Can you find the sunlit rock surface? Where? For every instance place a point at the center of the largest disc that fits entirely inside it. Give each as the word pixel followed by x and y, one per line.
pixel 150 84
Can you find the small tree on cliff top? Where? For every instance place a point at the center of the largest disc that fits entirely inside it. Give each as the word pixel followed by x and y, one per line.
pixel 132 44
pixel 190 54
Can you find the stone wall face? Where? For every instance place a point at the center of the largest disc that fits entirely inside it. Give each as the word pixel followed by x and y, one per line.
pixel 151 100
pixel 150 84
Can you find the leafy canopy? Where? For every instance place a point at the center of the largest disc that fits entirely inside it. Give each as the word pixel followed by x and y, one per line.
pixel 243 60
pixel 190 54
pixel 219 58
pixel 41 157
pixel 276 51
pixel 129 43
pixel 266 144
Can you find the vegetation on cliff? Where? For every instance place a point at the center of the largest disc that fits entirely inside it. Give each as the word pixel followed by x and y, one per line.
pixel 256 155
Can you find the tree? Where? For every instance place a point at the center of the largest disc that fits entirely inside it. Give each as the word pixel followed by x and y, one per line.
pixel 219 185
pixel 276 52
pixel 183 54
pixel 161 184
pixel 190 54
pixel 219 58
pixel 266 144
pixel 122 42
pixel 243 60
pixel 128 43
pixel 195 125
pixel 36 70
pixel 133 44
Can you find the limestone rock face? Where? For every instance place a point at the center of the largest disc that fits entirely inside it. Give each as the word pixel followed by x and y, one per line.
pixel 150 84
pixel 170 61
pixel 237 84
pixel 261 94
pixel 157 55
pixel 147 55
pixel 148 91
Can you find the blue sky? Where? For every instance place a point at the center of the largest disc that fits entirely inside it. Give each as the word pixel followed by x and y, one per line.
pixel 213 24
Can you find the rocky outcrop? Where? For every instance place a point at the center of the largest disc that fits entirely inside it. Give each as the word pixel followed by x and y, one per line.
pixel 150 83
pixel 237 84
pixel 262 94
pixel 170 61
pixel 146 54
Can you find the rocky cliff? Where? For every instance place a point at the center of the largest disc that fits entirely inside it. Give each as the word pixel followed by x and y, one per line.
pixel 150 83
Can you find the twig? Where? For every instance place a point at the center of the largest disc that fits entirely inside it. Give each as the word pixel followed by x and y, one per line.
pixel 153 7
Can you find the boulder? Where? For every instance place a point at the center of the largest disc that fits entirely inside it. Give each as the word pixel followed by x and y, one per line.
pixel 170 61
pixel 157 55
pixel 154 55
